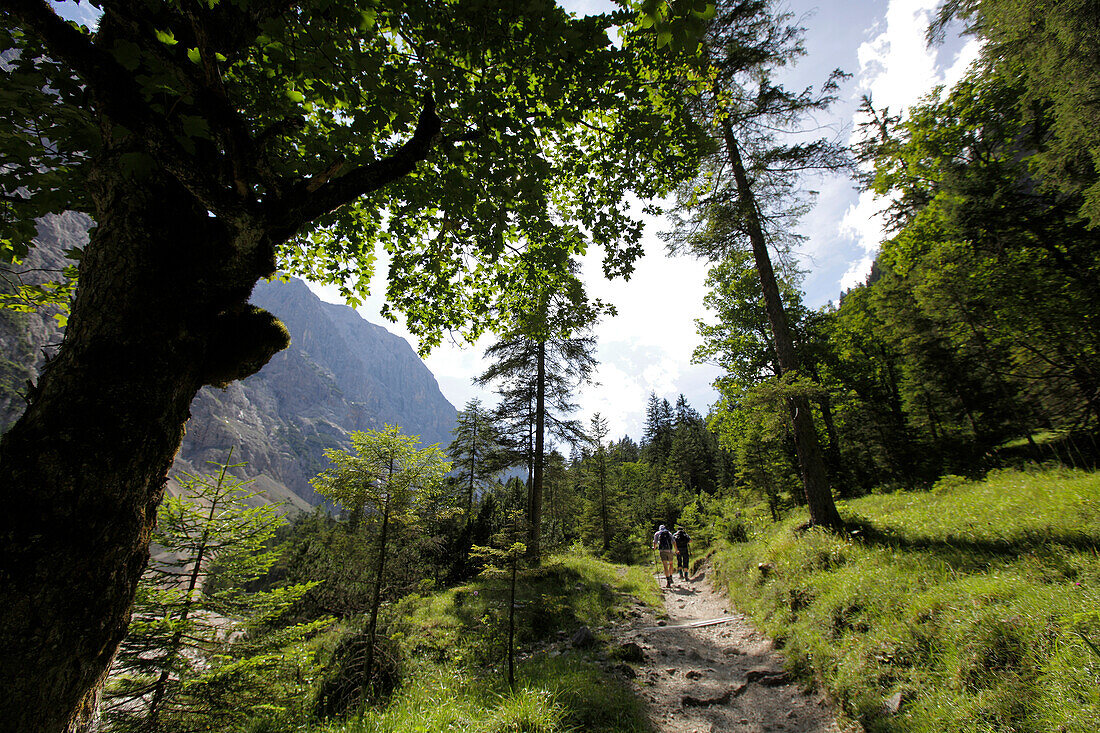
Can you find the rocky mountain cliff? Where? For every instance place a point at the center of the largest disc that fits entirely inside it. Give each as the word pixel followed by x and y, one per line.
pixel 341 373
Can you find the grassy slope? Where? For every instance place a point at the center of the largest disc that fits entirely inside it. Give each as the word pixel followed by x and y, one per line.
pixel 454 646
pixel 978 602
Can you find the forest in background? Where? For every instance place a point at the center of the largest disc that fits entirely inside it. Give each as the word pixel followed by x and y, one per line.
pixel 973 346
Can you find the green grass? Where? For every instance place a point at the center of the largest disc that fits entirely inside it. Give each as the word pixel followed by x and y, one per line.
pixel 467 622
pixel 453 646
pixel 977 601
pixel 556 695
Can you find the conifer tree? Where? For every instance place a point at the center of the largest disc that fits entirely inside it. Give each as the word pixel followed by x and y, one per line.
pixel 597 432
pixel 475 451
pixel 178 634
pixel 1051 50
pixel 537 365
pixel 657 435
pixel 693 449
pixel 745 195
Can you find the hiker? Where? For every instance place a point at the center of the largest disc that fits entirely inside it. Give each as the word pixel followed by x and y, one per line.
pixel 681 540
pixel 663 542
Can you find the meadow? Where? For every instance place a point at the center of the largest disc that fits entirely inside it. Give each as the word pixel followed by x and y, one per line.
pixel 974 606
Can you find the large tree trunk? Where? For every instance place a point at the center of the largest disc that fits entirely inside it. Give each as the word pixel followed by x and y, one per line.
pixel 82 472
pixel 815 480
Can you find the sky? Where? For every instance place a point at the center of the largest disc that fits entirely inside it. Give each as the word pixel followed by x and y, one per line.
pixel 647 347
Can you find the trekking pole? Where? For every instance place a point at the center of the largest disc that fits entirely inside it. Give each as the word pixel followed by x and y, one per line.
pixel 657 565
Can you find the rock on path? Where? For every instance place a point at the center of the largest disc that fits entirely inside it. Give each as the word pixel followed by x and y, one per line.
pixel 718 678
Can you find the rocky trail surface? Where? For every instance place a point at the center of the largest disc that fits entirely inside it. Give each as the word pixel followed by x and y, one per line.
pixel 706 670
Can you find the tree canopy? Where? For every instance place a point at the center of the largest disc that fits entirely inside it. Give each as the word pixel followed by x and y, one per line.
pixel 527 126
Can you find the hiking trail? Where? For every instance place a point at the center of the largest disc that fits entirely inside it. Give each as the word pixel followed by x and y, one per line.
pixel 707 670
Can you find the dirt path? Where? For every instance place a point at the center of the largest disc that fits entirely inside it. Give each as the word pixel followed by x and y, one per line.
pixel 720 677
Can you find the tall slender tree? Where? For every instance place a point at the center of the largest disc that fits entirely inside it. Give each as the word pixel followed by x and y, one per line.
pixel 475 451
pixel 746 194
pixel 597 433
pixel 538 365
pixel 386 474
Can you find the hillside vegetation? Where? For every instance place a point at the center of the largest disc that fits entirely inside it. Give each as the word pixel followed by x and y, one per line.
pixel 970 607
pixel 448 650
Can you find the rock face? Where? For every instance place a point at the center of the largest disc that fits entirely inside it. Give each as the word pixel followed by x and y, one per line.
pixel 340 374
pixel 27 340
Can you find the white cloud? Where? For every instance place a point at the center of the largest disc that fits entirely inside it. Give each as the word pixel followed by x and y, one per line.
pixel 896 66
pixel 897 69
pixel 966 56
pixel 864 222
pixel 648 346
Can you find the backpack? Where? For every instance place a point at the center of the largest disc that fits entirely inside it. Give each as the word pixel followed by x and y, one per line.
pixel 664 540
pixel 682 539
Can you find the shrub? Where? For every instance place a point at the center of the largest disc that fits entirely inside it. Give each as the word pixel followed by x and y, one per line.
pixel 347 684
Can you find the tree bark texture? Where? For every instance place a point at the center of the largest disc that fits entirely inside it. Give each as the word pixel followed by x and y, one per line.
pixel 815 479
pixel 160 311
pixel 380 567
pixel 534 531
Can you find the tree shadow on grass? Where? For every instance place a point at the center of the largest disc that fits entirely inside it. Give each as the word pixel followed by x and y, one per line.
pixel 550 600
pixel 969 552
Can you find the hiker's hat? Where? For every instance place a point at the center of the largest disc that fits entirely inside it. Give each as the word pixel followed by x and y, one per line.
pixel 662 528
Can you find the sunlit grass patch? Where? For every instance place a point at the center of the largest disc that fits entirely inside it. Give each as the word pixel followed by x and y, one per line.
pixel 464 625
pixel 976 601
pixel 556 696
pixel 455 649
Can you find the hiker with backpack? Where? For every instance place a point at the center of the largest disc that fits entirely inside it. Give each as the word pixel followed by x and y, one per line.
pixel 666 545
pixel 681 541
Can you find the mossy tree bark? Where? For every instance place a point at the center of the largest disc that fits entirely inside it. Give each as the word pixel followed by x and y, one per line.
pixel 238 161
pixel 82 472
pixel 162 309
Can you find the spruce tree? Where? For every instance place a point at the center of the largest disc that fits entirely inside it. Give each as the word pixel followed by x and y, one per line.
pixel 178 636
pixel 475 451
pixel 597 432
pixel 537 365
